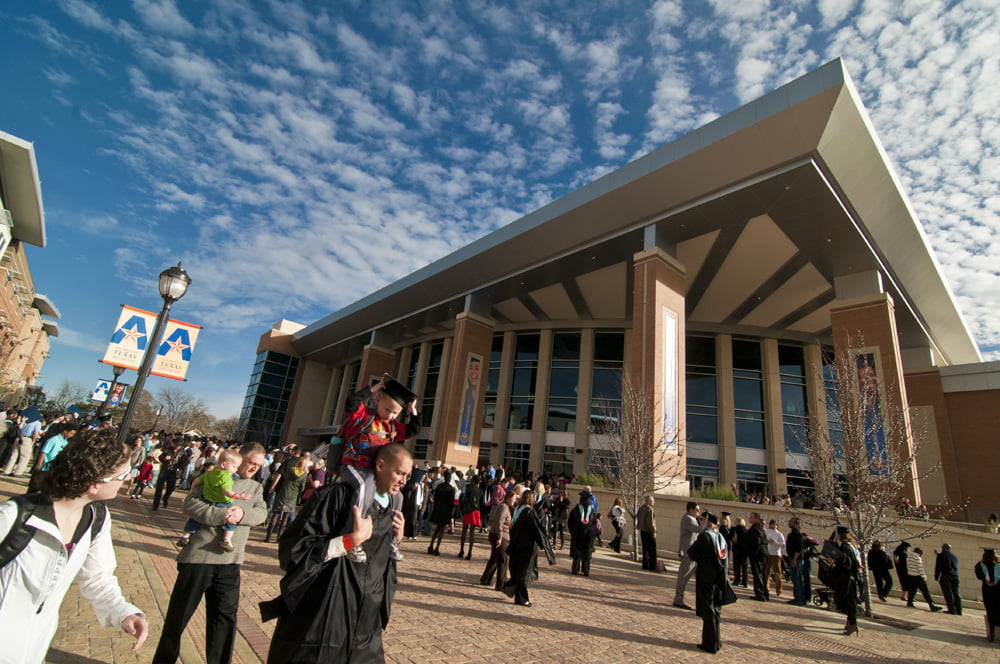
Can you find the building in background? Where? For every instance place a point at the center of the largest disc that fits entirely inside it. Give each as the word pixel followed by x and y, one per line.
pixel 262 418
pixel 723 272
pixel 24 333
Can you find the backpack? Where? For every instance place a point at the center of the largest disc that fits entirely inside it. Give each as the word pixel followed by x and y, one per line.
pixel 21 534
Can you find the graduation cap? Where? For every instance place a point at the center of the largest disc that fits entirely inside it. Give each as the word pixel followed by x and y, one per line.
pixel 397 391
pixel 725 514
pixel 843 530
pixel 710 517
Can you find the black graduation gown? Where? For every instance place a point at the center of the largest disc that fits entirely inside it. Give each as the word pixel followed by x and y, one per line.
pixel 526 535
pixel 844 581
pixel 581 537
pixel 331 611
pixel 991 594
pixel 409 508
pixel 710 580
pixel 444 504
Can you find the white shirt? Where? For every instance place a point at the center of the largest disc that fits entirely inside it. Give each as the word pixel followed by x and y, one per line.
pixel 775 542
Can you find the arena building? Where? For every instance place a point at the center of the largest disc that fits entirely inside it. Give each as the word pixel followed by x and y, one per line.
pixel 723 272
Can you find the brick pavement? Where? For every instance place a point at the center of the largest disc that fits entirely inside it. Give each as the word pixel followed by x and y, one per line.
pixel 441 614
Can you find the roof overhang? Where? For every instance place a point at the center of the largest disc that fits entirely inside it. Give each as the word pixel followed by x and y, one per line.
pixel 800 166
pixel 22 189
pixel 45 306
pixel 51 328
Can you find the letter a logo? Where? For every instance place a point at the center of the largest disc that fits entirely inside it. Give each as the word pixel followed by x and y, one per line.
pixel 132 331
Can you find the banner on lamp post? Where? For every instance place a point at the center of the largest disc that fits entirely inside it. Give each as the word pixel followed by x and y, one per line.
pixel 100 392
pixel 132 335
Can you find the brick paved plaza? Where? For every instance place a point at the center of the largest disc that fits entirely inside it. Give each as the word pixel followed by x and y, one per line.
pixel 441 614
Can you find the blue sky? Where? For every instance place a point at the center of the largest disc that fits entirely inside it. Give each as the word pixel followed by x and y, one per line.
pixel 271 146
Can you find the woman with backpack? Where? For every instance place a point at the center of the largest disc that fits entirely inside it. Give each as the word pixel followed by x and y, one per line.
pixel 60 534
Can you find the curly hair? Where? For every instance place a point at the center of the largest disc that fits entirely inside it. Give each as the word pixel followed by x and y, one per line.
pixel 89 457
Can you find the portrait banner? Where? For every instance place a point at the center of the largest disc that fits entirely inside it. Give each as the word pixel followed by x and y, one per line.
pixel 670 376
pixel 470 399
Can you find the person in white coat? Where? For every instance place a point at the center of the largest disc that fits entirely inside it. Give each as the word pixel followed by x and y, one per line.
pixel 72 540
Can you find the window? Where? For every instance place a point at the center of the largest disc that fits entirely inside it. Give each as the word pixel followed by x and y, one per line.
pixel 794 409
pixel 702 400
pixel 831 387
pixel 702 473
pixel 492 382
pixel 411 370
pixel 557 460
pixel 265 404
pixel 606 390
pixel 515 459
pixel 522 389
pixel 751 478
pixel 602 462
pixel 563 378
pixel 431 383
pixel 748 394
pixel 485 447
pixel 421 447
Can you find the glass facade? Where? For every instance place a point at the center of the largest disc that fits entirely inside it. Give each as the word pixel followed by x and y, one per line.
pixel 262 417
pixel 431 384
pixel 794 408
pixel 563 382
pixel 748 394
pixel 557 460
pixel 522 387
pixel 702 396
pixel 833 422
pixel 606 378
pixel 492 382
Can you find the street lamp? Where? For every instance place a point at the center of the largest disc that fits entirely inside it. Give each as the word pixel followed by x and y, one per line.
pixel 174 282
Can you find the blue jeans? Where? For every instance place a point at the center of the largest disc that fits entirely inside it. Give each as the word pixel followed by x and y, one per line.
pixel 798 587
pixel 192 526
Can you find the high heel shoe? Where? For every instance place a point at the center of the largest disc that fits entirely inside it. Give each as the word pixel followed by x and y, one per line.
pixel 851 629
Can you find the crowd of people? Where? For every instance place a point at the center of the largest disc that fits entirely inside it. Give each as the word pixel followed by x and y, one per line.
pixel 337 538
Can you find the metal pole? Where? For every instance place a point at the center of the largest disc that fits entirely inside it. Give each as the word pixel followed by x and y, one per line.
pixel 118 371
pixel 147 364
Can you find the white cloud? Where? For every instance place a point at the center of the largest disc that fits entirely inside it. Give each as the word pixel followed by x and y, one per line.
pixel 81 340
pixel 163 16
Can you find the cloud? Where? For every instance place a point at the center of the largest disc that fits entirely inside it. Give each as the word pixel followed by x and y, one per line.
pixel 163 16
pixel 80 340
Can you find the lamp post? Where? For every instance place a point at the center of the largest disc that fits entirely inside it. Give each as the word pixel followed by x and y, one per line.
pixel 174 282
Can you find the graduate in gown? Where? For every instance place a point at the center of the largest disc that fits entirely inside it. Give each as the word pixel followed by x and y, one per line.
pixel 711 555
pixel 333 608
pixel 988 571
pixel 526 535
pixel 844 578
pixel 581 535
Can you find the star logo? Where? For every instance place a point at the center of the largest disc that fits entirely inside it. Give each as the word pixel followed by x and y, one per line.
pixel 133 334
pixel 178 346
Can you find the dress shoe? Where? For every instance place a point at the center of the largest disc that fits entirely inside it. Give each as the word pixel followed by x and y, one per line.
pixel 851 629
pixel 682 605
pixel 528 604
pixel 935 609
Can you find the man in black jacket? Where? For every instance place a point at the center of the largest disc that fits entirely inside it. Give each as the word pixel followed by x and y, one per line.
pixel 880 564
pixel 946 573
pixel 793 548
pixel 756 540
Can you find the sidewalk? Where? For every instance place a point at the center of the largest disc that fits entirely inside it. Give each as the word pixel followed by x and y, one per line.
pixel 441 614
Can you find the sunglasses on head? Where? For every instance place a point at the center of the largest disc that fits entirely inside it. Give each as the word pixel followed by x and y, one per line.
pixel 116 478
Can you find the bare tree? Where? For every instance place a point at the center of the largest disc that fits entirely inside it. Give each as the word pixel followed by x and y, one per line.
pixel 227 428
pixel 860 476
pixel 69 393
pixel 639 456
pixel 181 411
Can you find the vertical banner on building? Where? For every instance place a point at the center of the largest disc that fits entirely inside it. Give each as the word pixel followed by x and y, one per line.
pixel 470 398
pixel 670 369
pixel 867 363
pixel 132 335
pixel 174 353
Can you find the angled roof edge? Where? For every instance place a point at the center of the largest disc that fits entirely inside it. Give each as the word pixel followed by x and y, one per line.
pixel 22 189
pixel 45 306
pixel 868 183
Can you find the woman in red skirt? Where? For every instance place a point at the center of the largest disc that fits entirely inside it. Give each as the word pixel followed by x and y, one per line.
pixel 471 504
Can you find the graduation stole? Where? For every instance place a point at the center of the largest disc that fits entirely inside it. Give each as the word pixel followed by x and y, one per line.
pixel 584 515
pixel 992 572
pixel 720 544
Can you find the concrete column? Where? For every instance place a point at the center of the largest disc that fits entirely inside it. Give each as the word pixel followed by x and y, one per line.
pixel 375 361
pixel 773 421
pixel 346 389
pixel 727 408
pixel 540 416
pixel 464 386
pixel 584 391
pixel 657 358
pixel 503 398
pixel 866 325
pixel 332 395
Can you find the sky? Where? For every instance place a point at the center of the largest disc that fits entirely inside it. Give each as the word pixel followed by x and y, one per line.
pixel 296 156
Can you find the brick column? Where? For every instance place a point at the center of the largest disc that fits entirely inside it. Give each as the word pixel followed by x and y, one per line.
pixel 473 340
pixel 867 324
pixel 657 359
pixel 375 361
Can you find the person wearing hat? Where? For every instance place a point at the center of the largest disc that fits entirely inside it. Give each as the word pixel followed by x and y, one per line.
pixel 844 577
pixel 710 555
pixel 581 534
pixel 988 571
pixel 384 413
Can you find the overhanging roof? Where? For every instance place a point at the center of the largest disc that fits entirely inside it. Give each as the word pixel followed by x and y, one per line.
pixel 45 306
pixel 51 328
pixel 22 190
pixel 783 194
